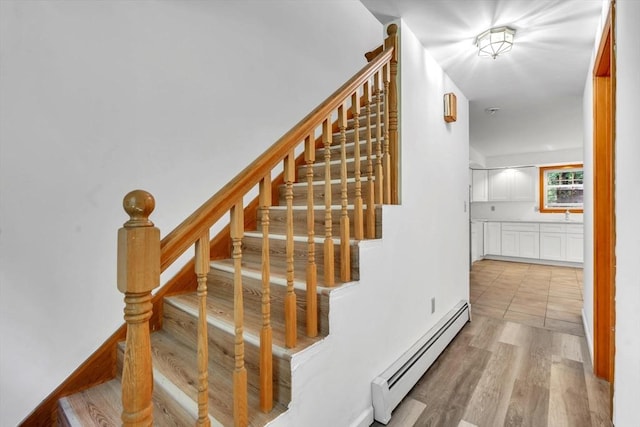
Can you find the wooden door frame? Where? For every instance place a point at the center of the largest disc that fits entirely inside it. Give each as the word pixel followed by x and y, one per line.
pixel 604 227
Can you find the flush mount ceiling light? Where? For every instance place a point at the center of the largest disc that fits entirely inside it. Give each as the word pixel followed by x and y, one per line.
pixel 495 41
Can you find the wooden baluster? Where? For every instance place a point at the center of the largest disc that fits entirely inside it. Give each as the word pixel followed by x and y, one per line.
pixel 138 274
pixel 266 352
pixel 345 249
pixel 377 94
pixel 290 320
pixel 202 261
pixel 312 296
pixel 327 138
pixel 392 99
pixel 386 165
pixel 358 227
pixel 371 213
pixel 240 409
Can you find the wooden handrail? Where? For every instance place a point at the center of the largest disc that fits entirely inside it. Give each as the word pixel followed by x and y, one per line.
pixel 185 234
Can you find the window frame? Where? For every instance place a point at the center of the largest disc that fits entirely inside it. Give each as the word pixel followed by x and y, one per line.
pixel 542 184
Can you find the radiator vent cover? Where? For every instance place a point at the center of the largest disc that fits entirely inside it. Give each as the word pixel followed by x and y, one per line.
pixel 390 387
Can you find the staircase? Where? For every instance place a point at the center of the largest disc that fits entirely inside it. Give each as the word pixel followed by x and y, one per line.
pixel 267 296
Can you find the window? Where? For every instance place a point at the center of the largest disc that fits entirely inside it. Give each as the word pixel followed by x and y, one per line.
pixel 561 188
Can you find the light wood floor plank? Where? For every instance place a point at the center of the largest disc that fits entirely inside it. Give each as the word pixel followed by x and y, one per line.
pixel 568 402
pixel 407 414
pixel 489 403
pixel 529 405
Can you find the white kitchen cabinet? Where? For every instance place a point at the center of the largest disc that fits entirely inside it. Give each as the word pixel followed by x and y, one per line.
pixel 520 240
pixel 499 185
pixel 479 185
pixel 477 238
pixel 512 185
pixel 529 244
pixel 492 239
pixel 561 242
pixel 523 185
pixel 575 247
pixel 553 246
pixel 510 243
pixel 553 241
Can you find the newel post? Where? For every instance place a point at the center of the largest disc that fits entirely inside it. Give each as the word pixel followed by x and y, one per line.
pixel 392 41
pixel 138 275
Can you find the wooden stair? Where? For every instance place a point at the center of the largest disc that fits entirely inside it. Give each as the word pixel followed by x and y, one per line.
pixel 174 347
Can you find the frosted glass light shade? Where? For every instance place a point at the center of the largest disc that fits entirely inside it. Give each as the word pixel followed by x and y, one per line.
pixel 495 41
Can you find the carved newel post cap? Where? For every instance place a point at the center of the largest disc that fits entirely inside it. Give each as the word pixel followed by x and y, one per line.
pixel 392 29
pixel 138 204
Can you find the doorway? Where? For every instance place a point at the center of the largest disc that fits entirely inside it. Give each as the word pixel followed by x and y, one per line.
pixel 604 80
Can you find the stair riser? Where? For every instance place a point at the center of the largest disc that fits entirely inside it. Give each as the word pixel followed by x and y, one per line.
pixel 252 251
pixel 300 193
pixel 336 168
pixel 277 221
pixel 183 326
pixel 220 285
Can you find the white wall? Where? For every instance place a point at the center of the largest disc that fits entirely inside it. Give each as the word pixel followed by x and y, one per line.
pixel 573 155
pixel 476 158
pixel 537 126
pixel 627 362
pixel 424 253
pixel 99 98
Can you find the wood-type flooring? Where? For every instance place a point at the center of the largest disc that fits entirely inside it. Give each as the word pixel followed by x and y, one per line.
pixel 513 364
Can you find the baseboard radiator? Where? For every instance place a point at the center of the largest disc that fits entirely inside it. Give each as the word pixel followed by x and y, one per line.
pixel 390 387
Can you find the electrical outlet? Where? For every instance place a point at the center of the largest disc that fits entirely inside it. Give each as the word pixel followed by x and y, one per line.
pixel 493 208
pixel 433 305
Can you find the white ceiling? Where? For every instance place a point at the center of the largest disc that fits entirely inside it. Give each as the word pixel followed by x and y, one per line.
pixel 547 66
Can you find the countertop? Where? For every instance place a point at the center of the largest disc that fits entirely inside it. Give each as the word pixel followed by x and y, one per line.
pixel 544 221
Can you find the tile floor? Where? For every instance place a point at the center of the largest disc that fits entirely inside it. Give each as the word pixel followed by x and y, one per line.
pixel 537 295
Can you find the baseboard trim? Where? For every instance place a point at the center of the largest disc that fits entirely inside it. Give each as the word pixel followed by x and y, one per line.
pixel 587 335
pixel 534 261
pixel 365 419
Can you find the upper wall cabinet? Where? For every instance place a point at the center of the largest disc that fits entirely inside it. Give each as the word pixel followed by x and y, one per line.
pixel 479 185
pixel 512 185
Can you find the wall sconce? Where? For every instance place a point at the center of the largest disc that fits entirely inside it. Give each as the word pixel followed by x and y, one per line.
pixel 450 107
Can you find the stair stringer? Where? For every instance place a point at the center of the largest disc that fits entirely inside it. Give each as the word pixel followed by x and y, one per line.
pixel 372 322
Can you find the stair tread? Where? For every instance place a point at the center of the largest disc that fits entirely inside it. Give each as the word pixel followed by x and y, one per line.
pixel 277 269
pixel 297 238
pixel 275 279
pixel 220 314
pixel 169 355
pixel 102 405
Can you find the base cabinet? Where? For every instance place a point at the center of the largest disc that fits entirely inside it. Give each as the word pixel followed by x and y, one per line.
pixel 534 240
pixel 492 239
pixel 520 240
pixel 477 244
pixel 529 244
pixel 575 247
pixel 553 246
